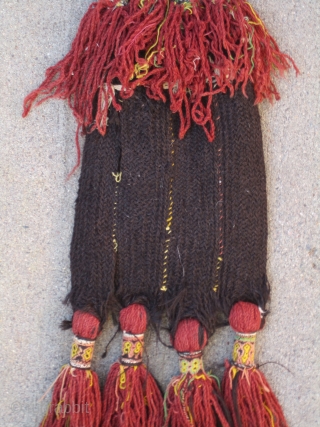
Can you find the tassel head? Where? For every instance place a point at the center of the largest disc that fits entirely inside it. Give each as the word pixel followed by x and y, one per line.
pixel 245 317
pixel 133 319
pixel 190 336
pixel 85 325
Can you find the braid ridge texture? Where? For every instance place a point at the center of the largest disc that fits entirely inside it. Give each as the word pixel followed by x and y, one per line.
pixel 193 249
pixel 244 270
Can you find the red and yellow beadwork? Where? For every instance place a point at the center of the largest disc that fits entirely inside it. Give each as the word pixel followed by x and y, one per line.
pixel 191 363
pixel 132 349
pixel 81 353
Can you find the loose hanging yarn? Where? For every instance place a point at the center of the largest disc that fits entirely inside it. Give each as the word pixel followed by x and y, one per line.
pixel 192 50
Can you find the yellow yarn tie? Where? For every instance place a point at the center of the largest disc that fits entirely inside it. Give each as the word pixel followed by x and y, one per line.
pixel 117 176
pixel 200 377
pixel 233 372
pixel 169 219
pixel 141 70
pixel 190 415
pixel 148 54
pixel 122 378
pixel 58 408
pixel 178 384
pixel 259 22
pixel 90 376
pixel 187 6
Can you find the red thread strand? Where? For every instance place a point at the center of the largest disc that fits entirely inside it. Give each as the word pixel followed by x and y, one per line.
pixel 193 401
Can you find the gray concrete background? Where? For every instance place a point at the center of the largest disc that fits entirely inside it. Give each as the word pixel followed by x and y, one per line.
pixel 37 207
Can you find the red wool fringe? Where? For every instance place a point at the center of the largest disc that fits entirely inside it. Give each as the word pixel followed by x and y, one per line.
pixel 250 399
pixel 131 398
pixel 194 400
pixel 189 50
pixel 76 400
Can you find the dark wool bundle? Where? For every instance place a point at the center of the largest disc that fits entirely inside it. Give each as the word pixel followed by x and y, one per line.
pixel 92 255
pixel 175 226
pixel 184 231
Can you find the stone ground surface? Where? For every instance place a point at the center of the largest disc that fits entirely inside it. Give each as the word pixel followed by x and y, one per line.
pixel 37 207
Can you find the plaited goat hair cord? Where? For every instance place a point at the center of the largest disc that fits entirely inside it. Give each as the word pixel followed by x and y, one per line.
pixel 171 214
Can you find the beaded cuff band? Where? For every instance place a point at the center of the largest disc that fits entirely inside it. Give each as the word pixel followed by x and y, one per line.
pixel 81 353
pixel 191 362
pixel 243 351
pixel 132 349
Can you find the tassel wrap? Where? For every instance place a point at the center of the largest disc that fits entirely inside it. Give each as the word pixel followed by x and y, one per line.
pixel 193 398
pixel 131 395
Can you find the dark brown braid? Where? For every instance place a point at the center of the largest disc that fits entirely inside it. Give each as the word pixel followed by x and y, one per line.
pixel 193 247
pixel 145 165
pixel 92 255
pixel 245 203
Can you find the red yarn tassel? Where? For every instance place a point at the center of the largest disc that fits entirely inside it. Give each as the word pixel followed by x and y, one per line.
pixel 131 395
pixel 246 391
pixel 76 399
pixel 193 398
